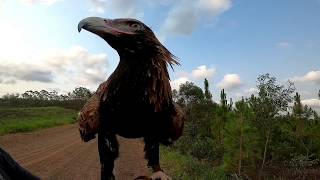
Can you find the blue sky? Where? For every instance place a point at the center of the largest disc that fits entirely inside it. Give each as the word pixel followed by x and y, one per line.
pixel 229 42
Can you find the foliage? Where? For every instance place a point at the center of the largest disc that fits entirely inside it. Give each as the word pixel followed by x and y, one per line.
pixel 186 167
pixel 272 100
pixel 207 93
pixel 14 120
pixel 73 100
pixel 80 93
pixel 190 94
pixel 241 140
pixel 264 136
pixel 224 102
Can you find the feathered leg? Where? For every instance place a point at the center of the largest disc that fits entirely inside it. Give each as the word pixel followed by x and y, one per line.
pixel 152 155
pixel 108 151
pixel 10 169
pixel 151 149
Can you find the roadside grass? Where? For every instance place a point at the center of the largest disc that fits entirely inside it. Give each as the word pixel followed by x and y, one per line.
pixel 13 120
pixel 185 167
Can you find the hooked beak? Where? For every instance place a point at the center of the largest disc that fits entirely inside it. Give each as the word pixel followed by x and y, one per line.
pixel 95 25
pixel 100 26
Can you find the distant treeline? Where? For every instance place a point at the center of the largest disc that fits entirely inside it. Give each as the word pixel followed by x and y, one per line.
pixel 267 135
pixel 43 98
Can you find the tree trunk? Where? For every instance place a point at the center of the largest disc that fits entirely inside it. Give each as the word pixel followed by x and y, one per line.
pixel 220 130
pixel 265 153
pixel 240 145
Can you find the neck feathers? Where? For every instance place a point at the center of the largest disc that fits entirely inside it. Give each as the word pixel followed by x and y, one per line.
pixel 159 88
pixel 150 69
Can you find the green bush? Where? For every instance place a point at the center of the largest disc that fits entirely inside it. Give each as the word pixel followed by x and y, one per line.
pixel 187 167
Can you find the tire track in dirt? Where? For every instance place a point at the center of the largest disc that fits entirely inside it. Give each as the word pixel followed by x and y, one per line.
pixel 58 153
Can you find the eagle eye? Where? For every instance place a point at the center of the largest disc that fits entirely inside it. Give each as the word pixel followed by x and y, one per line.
pixel 134 25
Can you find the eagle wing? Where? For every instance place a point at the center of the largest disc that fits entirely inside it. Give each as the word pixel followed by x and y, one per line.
pixel 178 117
pixel 89 115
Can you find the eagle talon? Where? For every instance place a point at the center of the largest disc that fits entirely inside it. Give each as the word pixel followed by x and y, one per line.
pixel 159 175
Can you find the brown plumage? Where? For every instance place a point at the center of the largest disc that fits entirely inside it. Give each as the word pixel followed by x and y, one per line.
pixel 136 100
pixel 159 94
pixel 89 116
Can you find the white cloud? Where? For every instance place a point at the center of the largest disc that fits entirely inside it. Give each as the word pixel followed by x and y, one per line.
pixel 124 8
pixel 214 7
pixel 9 73
pixel 284 44
pixel 80 66
pixel 185 15
pixel 197 76
pixel 202 72
pixel 13 39
pixel 245 92
pixel 314 103
pixel 312 76
pixel 175 84
pixel 44 2
pixel 7 81
pixel 251 90
pixel 311 102
pixel 1 3
pixel 98 6
pixel 75 66
pixel 182 18
pixel 230 81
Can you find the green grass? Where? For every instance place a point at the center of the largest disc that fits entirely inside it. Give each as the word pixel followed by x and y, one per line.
pixel 14 120
pixel 185 167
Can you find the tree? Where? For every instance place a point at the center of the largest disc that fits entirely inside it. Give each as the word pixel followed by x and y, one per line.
pixel 297 106
pixel 300 116
pixel 81 93
pixel 53 95
pixel 189 94
pixel 224 102
pixel 64 97
pixel 44 95
pixel 222 115
pixel 11 96
pixel 240 140
pixel 241 109
pixel 223 99
pixel 34 95
pixel 175 95
pixel 207 94
pixel 27 95
pixel 315 116
pixel 298 111
pixel 272 100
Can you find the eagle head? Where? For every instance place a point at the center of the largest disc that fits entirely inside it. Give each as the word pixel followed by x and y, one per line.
pixel 125 35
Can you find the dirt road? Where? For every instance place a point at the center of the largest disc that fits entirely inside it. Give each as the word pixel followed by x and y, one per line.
pixel 58 153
